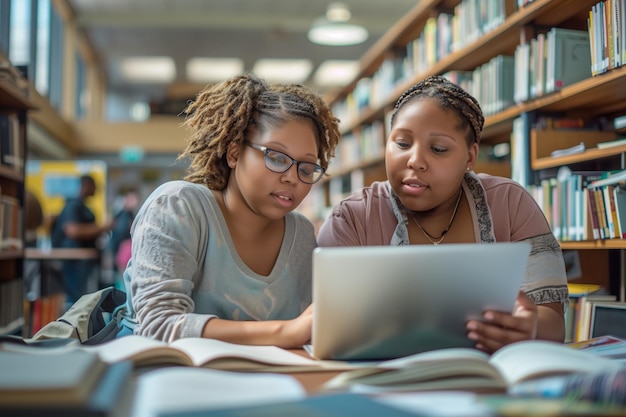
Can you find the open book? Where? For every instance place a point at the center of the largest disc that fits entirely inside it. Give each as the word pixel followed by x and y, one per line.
pixel 208 353
pixel 466 368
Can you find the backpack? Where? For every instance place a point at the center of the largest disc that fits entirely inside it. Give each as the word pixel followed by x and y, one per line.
pixel 95 318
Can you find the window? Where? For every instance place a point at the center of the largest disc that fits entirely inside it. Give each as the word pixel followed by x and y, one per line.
pixel 80 90
pixel 42 57
pixel 20 32
pixel 55 79
pixel 5 10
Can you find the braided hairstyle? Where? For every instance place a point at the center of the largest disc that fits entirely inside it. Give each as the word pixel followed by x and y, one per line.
pixel 223 113
pixel 450 96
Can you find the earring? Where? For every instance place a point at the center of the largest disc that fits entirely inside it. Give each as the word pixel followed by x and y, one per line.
pixel 467 169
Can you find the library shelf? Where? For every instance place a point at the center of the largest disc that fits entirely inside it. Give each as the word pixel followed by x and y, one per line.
pixel 596 96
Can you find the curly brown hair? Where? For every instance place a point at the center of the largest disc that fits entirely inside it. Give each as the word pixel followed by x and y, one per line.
pixel 450 96
pixel 223 113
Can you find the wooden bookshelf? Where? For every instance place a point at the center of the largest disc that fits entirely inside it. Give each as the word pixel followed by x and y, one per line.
pixel 544 142
pixel 601 95
pixel 14 104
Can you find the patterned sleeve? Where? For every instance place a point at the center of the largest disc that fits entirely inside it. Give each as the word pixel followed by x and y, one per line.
pixel 545 280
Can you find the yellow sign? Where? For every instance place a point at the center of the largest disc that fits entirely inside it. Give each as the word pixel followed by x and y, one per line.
pixel 52 182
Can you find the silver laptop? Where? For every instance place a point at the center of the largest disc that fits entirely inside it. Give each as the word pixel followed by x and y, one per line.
pixel 383 302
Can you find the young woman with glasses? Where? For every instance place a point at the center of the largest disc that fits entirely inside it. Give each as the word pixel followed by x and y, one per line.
pixel 222 254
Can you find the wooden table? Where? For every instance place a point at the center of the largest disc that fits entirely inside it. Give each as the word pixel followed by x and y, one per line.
pixel 312 381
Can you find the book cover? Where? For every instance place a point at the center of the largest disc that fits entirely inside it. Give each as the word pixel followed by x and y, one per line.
pixel 54 378
pixel 592 213
pixel 568 58
pixel 619 195
pixel 616 231
pixel 111 397
pixel 612 143
pixel 322 405
pixel 611 178
pixel 583 324
pixel 184 389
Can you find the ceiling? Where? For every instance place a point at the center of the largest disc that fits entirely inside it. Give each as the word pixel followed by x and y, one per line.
pixel 248 29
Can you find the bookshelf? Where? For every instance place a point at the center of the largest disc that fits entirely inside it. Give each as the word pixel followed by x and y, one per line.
pixel 601 95
pixel 14 105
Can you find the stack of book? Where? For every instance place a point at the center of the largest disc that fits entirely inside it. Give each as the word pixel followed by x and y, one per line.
pixel 63 382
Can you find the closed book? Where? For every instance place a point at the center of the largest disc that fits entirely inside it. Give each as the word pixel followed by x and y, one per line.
pixel 322 405
pixel 111 397
pixel 53 378
pixel 620 209
pixel 568 58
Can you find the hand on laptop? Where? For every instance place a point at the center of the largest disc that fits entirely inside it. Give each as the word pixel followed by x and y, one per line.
pixel 498 329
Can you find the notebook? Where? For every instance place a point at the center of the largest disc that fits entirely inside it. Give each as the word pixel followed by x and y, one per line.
pixel 384 302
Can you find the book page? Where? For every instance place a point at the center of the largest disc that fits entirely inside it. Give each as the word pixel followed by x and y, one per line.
pixel 143 351
pixel 442 369
pixel 535 358
pixel 185 389
pixel 209 352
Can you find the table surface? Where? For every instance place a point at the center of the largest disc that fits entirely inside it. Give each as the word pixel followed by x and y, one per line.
pixel 312 381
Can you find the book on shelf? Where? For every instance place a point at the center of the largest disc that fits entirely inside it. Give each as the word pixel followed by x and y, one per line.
pixel 605 26
pixel 465 368
pixel 10 148
pixel 608 193
pixel 576 289
pixel 613 178
pixel 549 122
pixel 572 150
pixel 568 58
pixel 583 311
pixel 63 383
pixel 611 211
pixel 578 293
pixel 612 143
pixel 11 216
pixel 619 194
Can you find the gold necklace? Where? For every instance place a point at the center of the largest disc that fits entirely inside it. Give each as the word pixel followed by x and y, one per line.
pixel 437 240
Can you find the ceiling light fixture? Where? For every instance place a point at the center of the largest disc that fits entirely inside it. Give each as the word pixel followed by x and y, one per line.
pixel 283 70
pixel 152 69
pixel 208 70
pixel 335 28
pixel 334 73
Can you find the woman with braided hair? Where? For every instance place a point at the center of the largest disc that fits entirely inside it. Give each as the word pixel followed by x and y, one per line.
pixel 433 196
pixel 222 254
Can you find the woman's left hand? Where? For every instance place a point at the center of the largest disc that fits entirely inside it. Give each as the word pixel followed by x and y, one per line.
pixel 498 329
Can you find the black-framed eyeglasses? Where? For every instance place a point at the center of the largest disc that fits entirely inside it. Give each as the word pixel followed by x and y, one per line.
pixel 280 162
